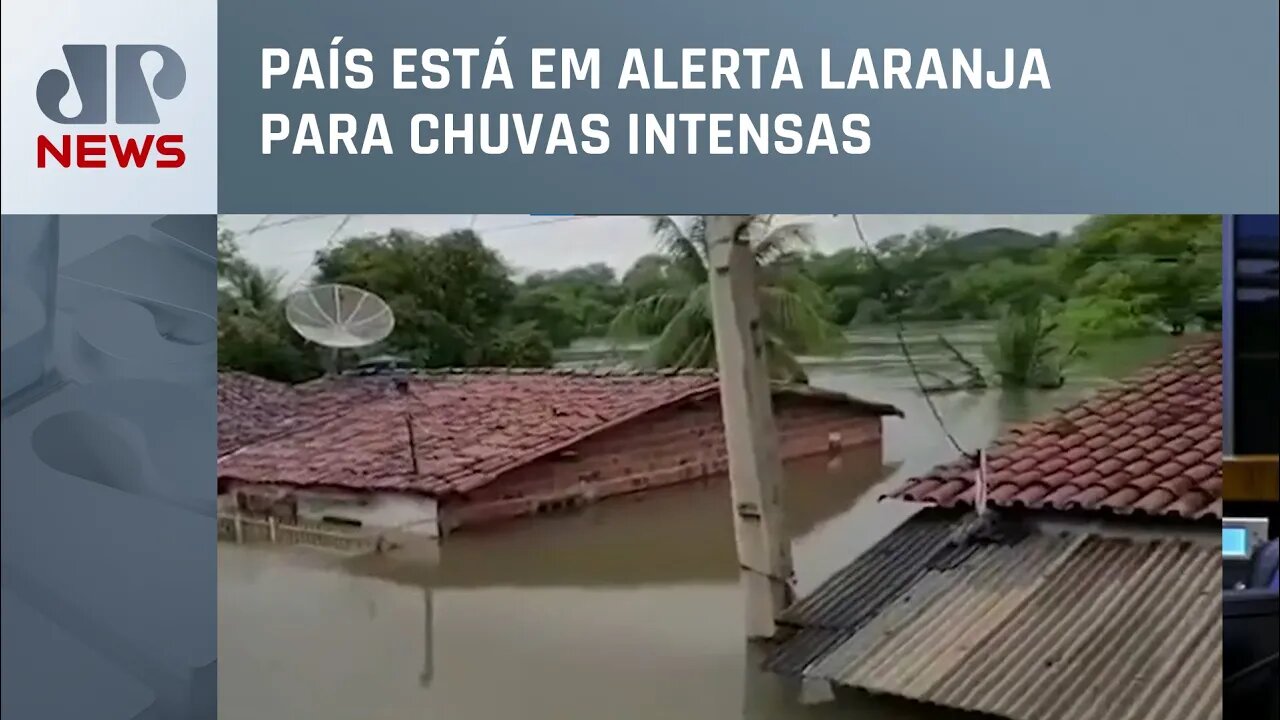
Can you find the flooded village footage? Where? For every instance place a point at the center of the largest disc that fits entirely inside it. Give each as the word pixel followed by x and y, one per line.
pixel 720 467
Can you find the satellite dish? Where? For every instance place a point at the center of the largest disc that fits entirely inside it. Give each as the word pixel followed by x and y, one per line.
pixel 339 316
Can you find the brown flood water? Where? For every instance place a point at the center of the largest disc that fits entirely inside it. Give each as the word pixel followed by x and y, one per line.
pixel 628 610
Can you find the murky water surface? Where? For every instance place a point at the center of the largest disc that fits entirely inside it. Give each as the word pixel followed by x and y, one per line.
pixel 626 611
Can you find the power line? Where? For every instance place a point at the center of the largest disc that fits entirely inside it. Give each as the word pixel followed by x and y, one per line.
pixel 261 226
pixel 261 222
pixel 346 219
pixel 482 231
pixel 264 225
pixel 328 243
pixel 532 223
pixel 902 343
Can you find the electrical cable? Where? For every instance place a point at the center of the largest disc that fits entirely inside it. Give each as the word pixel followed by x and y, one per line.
pixel 520 226
pixel 327 244
pixel 263 225
pixel 886 278
pixel 261 222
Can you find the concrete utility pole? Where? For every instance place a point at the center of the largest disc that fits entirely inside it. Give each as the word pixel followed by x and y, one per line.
pixel 755 468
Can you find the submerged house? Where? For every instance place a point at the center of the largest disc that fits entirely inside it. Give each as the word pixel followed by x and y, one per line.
pixel 1088 589
pixel 419 454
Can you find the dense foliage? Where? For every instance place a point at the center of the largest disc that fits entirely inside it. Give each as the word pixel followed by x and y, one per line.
pixel 451 295
pixel 675 308
pixel 458 304
pixel 1115 275
pixel 1026 352
pixel 252 333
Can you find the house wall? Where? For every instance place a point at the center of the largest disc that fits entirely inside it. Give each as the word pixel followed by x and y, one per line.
pixel 393 514
pixel 382 511
pixel 677 444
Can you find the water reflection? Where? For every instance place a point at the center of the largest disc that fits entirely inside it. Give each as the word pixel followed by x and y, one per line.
pixel 631 606
pixel 628 610
pixel 428 647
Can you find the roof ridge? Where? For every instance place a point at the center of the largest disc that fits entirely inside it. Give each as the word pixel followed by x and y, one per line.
pixel 562 371
pixel 1074 456
pixel 331 401
pixel 1114 389
pixel 495 370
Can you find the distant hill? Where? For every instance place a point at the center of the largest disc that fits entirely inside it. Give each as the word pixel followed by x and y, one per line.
pixel 1001 239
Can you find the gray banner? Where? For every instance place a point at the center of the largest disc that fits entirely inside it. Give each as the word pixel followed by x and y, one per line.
pixel 109 436
pixel 1153 108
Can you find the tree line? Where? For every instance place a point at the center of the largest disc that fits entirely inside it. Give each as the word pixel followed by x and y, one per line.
pixel 457 303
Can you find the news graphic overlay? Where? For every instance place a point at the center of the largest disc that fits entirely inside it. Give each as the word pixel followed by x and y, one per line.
pixel 1251 435
pixel 1251 306
pixel 109 108
pixel 647 108
pixel 135 104
pixel 108 453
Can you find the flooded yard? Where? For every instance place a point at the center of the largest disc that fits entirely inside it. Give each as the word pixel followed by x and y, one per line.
pixel 628 610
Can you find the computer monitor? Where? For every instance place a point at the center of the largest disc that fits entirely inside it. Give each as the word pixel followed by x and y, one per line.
pixel 1241 535
pixel 1235 542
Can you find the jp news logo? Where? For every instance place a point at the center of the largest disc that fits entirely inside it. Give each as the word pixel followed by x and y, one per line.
pixel 135 104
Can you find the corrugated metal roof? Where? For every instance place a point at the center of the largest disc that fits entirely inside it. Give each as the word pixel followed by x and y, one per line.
pixel 863 587
pixel 1031 627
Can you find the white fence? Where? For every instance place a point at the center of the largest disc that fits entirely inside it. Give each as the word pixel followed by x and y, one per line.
pixel 239 528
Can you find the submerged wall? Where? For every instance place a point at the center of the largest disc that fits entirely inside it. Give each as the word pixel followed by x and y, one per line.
pixel 677 444
pixel 398 517
pixel 680 443
pixel 409 513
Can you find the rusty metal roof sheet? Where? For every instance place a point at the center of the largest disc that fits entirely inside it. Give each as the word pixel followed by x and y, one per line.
pixel 1030 627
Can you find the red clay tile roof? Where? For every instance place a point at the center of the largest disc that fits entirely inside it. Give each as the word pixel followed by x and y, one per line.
pixel 251 408
pixel 1152 445
pixel 461 428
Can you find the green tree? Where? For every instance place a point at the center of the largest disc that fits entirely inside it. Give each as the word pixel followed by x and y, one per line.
pixel 451 296
pixel 253 335
pixel 551 310
pixel 1166 269
pixel 850 278
pixel 792 306
pixel 648 276
pixel 1026 352
pixel 980 291
pixel 570 304
pixel 1114 275
pixel 517 345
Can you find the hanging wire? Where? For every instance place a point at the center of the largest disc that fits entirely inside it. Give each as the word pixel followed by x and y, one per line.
pixel 334 235
pixel 328 243
pixel 532 223
pixel 346 219
pixel 264 225
pixel 886 277
pixel 261 222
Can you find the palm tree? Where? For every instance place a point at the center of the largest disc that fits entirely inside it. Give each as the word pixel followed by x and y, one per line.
pixel 677 317
pixel 253 335
pixel 244 288
pixel 1025 353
